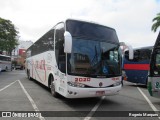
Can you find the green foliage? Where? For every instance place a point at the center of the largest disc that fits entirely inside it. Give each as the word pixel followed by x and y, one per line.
pixel 14 63
pixel 8 36
pixel 156 23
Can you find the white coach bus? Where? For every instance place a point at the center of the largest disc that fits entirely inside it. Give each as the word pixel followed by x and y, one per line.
pixel 5 62
pixel 154 72
pixel 77 59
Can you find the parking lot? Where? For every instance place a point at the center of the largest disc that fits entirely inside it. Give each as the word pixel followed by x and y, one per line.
pixel 18 94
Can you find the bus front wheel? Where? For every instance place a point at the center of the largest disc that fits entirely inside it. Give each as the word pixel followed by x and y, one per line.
pixel 6 69
pixel 28 75
pixel 52 87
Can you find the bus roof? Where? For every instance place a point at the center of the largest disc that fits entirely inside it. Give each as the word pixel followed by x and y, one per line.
pixel 77 20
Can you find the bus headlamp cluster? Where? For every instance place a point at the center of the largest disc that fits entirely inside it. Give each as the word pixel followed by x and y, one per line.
pixel 76 84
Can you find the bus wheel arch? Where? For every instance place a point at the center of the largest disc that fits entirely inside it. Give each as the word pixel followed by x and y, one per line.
pixel 51 85
pixel 146 81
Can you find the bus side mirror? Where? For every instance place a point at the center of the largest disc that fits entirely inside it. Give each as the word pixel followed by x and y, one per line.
pixel 131 52
pixel 130 49
pixel 67 42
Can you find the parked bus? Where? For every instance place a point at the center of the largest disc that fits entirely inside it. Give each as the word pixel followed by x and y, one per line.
pixel 154 73
pixel 136 69
pixel 77 59
pixel 5 63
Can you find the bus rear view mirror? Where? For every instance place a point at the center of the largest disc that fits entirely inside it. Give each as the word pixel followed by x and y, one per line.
pixel 67 42
pixel 130 49
pixel 131 52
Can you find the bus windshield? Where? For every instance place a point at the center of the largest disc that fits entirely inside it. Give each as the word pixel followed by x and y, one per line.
pixel 95 50
pixel 94 58
pixel 92 31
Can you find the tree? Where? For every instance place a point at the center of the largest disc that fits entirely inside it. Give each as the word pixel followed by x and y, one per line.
pixel 156 21
pixel 8 36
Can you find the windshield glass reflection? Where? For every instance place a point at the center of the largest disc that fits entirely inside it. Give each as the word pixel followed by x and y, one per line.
pixel 90 57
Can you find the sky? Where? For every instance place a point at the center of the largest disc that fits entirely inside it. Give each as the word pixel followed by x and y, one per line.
pixel 132 19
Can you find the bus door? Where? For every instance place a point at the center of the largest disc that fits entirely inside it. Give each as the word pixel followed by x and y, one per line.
pixel 154 73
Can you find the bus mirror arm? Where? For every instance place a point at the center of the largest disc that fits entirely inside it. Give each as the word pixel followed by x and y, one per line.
pixel 129 47
pixel 131 55
pixel 67 42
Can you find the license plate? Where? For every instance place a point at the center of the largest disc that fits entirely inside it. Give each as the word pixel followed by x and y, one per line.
pixel 100 92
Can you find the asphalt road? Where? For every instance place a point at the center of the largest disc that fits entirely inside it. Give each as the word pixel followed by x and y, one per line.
pixel 18 95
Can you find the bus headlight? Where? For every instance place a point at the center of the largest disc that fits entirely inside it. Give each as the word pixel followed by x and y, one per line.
pixel 76 84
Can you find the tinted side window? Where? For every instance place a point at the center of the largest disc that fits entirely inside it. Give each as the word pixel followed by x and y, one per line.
pixel 144 54
pixel 139 55
pixel 45 43
pixel 59 47
pixel 4 58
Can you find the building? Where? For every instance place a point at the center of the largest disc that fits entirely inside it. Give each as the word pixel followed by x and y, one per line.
pixel 19 53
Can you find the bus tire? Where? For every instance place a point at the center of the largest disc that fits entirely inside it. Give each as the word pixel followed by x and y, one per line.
pixel 52 87
pixel 6 69
pixel 28 75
